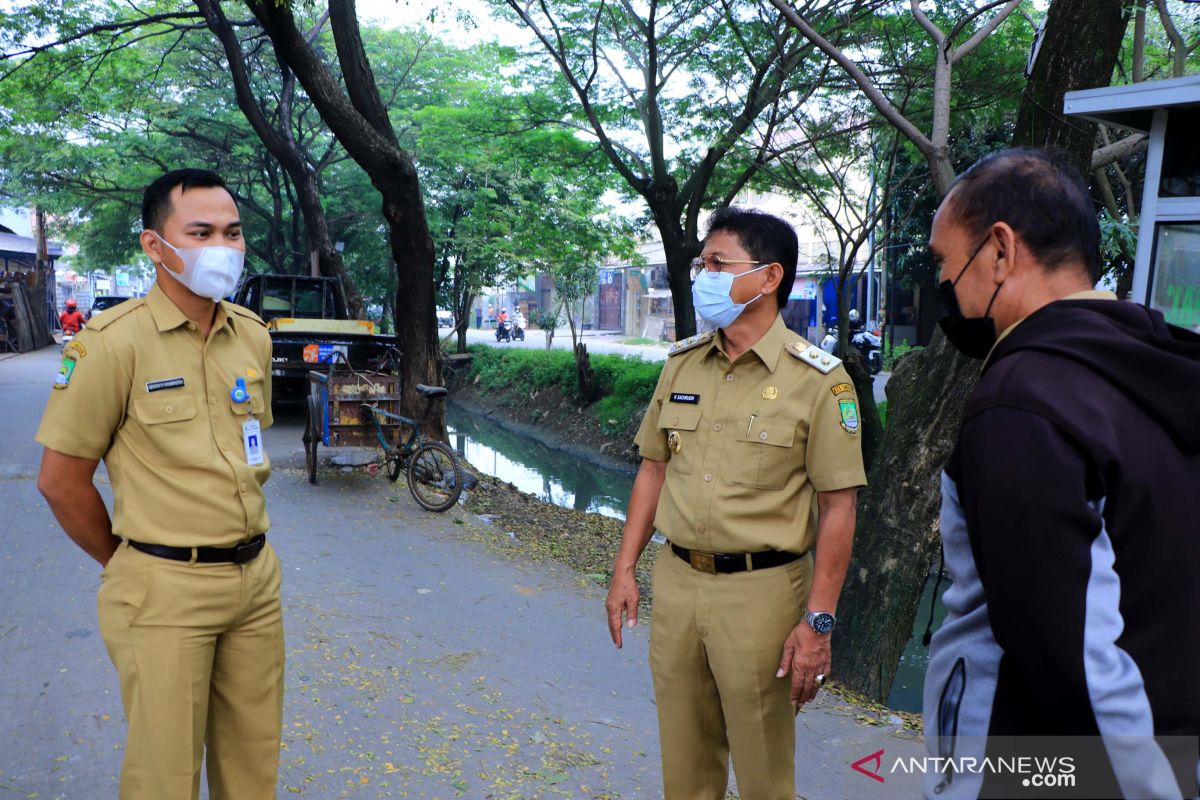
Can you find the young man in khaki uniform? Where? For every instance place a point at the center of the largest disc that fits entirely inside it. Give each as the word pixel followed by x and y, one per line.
pixel 750 466
pixel 173 392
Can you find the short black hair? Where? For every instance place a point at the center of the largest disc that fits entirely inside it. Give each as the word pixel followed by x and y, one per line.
pixel 156 200
pixel 765 237
pixel 1041 196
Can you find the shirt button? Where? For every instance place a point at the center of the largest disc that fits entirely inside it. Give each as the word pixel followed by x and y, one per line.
pixel 168 409
pixel 242 488
pixel 707 477
pixel 729 378
pixel 675 421
pixel 763 436
pixel 212 398
pixel 716 426
pixel 191 326
pixel 700 528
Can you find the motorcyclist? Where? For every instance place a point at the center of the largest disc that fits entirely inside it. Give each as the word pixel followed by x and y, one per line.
pixel 71 319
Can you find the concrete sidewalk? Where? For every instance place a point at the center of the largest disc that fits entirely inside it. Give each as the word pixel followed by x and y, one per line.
pixel 427 658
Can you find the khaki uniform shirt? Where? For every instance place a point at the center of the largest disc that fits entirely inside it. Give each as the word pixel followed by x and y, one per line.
pixel 140 388
pixel 749 444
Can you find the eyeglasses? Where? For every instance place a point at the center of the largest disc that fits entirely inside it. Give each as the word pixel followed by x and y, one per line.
pixel 713 263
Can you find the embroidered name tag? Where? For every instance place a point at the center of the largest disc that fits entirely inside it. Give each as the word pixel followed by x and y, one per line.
pixel 677 397
pixel 165 383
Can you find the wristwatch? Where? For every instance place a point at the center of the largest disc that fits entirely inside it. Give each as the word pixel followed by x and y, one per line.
pixel 820 621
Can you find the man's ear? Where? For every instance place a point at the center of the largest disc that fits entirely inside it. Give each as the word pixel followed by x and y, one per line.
pixel 774 273
pixel 1006 251
pixel 151 246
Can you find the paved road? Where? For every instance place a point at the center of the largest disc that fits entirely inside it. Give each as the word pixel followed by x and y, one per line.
pixel 426 659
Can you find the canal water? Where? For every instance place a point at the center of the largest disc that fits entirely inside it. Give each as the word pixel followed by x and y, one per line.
pixel 555 476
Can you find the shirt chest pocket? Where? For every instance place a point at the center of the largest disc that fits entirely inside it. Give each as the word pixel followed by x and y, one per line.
pixel 257 403
pixel 765 452
pixel 168 431
pixel 679 423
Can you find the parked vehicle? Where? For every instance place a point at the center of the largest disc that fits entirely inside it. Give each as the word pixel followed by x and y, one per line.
pixel 869 343
pixel 103 301
pixel 445 319
pixel 309 326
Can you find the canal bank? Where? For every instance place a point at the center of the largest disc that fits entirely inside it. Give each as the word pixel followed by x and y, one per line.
pixel 570 504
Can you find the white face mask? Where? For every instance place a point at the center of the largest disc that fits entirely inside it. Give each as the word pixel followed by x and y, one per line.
pixel 211 272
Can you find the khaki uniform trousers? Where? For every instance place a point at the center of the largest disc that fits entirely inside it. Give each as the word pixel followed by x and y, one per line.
pixel 199 652
pixel 715 645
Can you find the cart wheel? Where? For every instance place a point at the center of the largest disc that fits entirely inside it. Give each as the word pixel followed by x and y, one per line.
pixel 434 476
pixel 312 437
pixel 395 463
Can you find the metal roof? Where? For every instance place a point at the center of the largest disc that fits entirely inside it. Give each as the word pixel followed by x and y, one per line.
pixel 26 245
pixel 1133 105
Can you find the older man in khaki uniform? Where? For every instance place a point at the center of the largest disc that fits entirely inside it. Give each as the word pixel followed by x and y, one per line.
pixel 173 392
pixel 750 465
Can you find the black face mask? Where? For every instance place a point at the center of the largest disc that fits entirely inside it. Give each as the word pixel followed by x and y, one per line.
pixel 974 337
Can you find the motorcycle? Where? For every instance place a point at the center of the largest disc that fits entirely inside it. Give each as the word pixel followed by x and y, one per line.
pixel 504 332
pixel 870 345
pixel 866 342
pixel 518 332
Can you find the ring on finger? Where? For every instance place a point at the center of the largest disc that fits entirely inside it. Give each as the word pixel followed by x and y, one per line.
pixel 819 679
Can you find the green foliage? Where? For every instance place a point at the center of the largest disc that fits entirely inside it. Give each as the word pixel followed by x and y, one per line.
pixel 1118 244
pixel 626 384
pixel 894 353
pixel 500 369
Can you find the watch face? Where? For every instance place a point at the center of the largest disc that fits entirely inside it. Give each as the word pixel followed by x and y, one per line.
pixel 823 622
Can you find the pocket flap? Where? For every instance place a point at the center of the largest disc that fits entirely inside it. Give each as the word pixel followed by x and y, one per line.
pixel 171 408
pixel 765 430
pixel 675 417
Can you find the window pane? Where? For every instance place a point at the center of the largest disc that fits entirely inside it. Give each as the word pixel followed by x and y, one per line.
pixel 1181 156
pixel 1176 290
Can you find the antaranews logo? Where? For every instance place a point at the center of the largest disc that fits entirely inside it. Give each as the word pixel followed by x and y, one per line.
pixel 1039 772
pixel 875 758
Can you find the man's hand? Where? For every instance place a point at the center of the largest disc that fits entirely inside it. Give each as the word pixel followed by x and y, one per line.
pixel 806 654
pixel 623 596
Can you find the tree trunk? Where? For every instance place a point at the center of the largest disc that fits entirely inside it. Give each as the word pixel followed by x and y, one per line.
pixel 897 531
pixel 356 115
pixel 282 146
pixel 1079 51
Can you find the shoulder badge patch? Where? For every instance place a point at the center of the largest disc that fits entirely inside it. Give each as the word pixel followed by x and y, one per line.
pixel 849 411
pixel 813 356
pixel 842 387
pixel 75 349
pixel 691 342
pixel 65 370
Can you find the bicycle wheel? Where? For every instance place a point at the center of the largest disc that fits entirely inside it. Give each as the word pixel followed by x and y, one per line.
pixel 312 436
pixel 434 476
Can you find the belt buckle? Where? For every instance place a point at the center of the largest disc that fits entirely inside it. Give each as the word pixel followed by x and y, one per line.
pixel 705 562
pixel 245 552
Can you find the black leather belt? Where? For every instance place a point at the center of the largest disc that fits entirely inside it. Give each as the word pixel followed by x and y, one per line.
pixel 712 563
pixel 241 553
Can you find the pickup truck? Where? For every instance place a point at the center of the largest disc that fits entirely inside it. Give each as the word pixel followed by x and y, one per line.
pixel 309 324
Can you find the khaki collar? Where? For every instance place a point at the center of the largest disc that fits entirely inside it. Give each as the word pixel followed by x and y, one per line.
pixel 768 348
pixel 168 316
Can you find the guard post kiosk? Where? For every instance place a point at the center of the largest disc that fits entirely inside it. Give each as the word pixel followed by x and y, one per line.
pixel 1166 272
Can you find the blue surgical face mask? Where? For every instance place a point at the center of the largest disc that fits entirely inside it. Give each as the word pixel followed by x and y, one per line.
pixel 710 296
